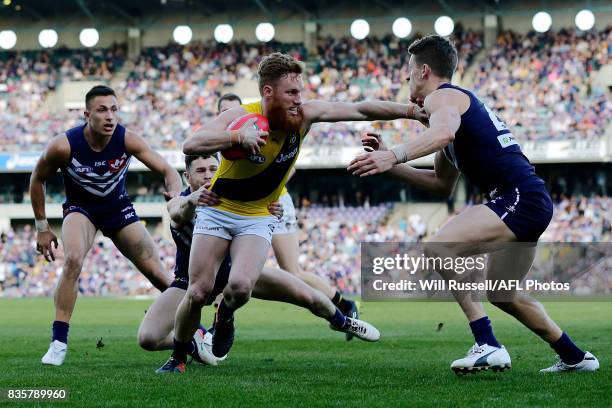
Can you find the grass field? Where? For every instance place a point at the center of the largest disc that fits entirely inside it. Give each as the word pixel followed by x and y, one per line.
pixel 284 356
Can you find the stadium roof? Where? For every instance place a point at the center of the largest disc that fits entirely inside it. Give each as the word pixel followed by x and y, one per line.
pixel 136 9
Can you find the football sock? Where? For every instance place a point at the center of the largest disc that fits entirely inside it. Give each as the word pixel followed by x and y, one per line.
pixel 224 312
pixel 338 320
pixel 60 331
pixel 567 350
pixel 181 349
pixel 340 302
pixel 483 332
pixel 192 347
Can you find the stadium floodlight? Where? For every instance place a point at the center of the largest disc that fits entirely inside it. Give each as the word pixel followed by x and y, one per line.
pixel 47 38
pixel 541 21
pixel 360 29
pixel 444 26
pixel 8 39
pixel 264 32
pixel 402 27
pixel 89 37
pixel 585 20
pixel 224 33
pixel 182 34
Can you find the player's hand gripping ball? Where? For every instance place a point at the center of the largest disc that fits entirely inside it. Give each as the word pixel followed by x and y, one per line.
pixel 253 134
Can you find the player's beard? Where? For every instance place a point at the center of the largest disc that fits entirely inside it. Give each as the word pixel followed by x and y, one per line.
pixel 280 119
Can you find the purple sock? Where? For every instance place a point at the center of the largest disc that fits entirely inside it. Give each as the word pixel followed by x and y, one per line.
pixel 60 331
pixel 567 350
pixel 338 320
pixel 483 332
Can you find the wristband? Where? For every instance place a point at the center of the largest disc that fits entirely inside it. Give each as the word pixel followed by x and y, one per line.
pixel 401 155
pixel 41 225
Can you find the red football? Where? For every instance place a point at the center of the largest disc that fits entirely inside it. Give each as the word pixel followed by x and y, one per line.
pixel 237 153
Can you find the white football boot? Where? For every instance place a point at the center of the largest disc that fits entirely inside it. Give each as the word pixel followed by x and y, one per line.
pixel 588 363
pixel 360 329
pixel 482 358
pixel 56 353
pixel 203 352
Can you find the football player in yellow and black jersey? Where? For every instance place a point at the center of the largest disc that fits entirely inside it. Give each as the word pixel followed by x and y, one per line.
pixel 241 223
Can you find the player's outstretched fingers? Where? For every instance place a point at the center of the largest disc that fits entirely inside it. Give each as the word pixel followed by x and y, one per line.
pixel 354 164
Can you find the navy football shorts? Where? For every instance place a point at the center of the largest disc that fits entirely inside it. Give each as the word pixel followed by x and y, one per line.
pixel 107 219
pixel 526 211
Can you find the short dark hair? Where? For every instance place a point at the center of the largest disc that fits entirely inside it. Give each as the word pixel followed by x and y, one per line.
pixel 98 90
pixel 191 158
pixel 437 52
pixel 228 97
pixel 276 66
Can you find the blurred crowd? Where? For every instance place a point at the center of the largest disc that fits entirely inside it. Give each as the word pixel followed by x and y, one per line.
pixel 540 84
pixel 329 238
pixel 27 79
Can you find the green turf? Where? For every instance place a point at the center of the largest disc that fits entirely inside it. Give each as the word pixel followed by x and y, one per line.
pixel 284 356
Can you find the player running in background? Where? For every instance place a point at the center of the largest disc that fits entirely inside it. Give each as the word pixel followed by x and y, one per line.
pixel 94 160
pixel 155 332
pixel 285 242
pixel 241 225
pixel 469 138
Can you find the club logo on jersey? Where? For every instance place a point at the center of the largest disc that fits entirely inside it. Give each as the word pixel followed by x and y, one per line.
pixel 257 158
pixel 117 165
pixel 507 139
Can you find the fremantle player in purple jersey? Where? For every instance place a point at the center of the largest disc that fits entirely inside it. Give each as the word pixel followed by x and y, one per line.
pixel 469 138
pixel 94 159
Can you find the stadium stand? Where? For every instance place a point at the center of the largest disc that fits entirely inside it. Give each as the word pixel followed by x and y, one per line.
pixel 330 240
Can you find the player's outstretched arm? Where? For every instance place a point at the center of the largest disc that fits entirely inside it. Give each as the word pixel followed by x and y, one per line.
pixel 323 111
pixel 444 121
pixel 182 208
pixel 441 180
pixel 140 149
pixel 55 155
pixel 214 137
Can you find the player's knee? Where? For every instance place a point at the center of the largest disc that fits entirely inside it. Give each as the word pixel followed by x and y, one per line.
pixel 240 290
pixel 147 341
pixel 73 262
pixel 198 293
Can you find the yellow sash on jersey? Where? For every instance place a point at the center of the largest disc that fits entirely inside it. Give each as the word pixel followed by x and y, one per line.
pixel 247 186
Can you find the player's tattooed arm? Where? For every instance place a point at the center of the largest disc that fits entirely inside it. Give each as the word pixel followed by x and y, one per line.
pixel 55 155
pixel 324 111
pixel 140 149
